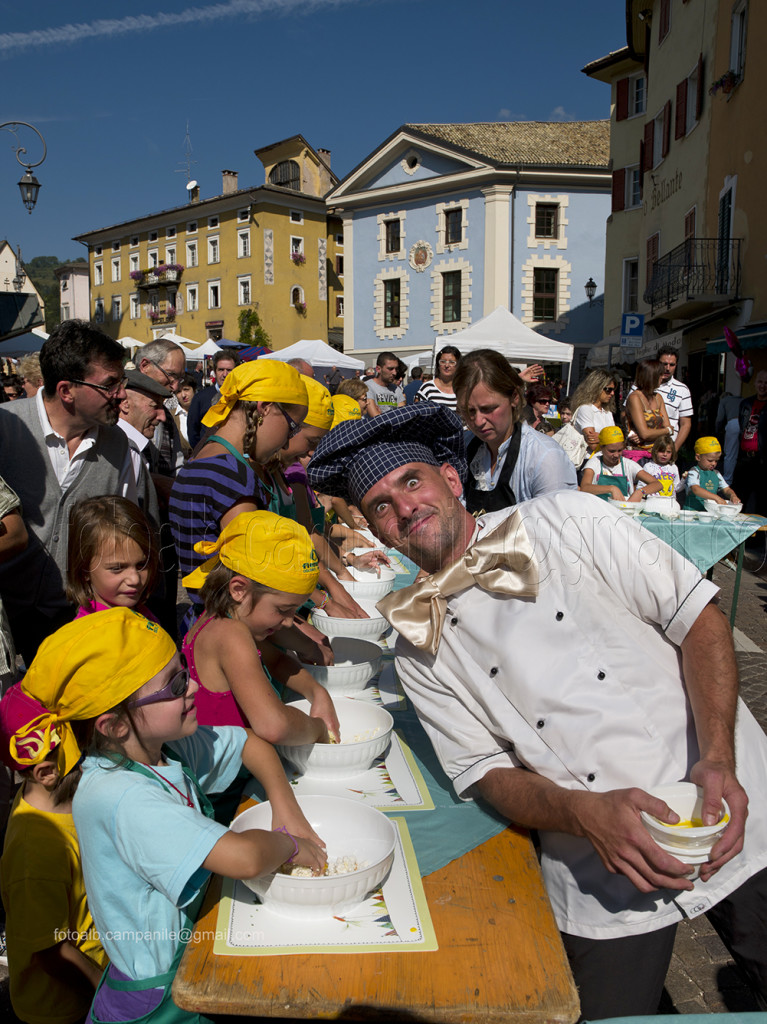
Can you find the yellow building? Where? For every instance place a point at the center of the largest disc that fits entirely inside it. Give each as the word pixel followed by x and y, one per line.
pixel 688 215
pixel 192 269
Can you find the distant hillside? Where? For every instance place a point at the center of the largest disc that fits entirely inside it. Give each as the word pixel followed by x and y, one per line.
pixel 41 271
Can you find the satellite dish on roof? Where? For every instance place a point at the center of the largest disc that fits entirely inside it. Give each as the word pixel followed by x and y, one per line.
pixel 191 184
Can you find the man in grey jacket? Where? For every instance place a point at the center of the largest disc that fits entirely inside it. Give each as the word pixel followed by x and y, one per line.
pixel 55 449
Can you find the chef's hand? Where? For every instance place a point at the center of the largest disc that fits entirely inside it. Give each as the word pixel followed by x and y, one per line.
pixel 611 823
pixel 718 781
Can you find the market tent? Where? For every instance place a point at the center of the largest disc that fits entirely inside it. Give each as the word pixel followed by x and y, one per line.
pixel 208 348
pixel 21 345
pixel 318 354
pixel 246 354
pixel 128 342
pixel 423 359
pixel 501 330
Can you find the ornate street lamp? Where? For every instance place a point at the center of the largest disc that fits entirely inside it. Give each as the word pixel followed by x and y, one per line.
pixel 29 186
pixel 591 289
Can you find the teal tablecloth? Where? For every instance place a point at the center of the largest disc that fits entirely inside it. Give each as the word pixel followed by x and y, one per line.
pixel 703 543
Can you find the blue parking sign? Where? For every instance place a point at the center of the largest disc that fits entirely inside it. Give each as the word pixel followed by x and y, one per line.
pixel 632 330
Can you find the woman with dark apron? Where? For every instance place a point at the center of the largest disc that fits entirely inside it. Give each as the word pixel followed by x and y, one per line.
pixel 508 461
pixel 609 476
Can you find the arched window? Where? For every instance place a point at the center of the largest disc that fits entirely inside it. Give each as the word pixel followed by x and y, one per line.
pixel 295 296
pixel 286 173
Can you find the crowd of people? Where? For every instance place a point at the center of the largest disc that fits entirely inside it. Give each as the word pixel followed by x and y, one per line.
pixel 133 732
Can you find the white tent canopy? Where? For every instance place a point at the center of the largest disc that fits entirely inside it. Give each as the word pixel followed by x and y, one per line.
pixel 501 331
pixel 208 348
pixel 423 359
pixel 128 342
pixel 318 354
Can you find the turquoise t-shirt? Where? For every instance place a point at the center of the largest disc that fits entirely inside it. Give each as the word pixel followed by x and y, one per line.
pixel 142 847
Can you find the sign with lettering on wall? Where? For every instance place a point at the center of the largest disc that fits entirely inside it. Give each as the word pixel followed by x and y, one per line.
pixel 632 330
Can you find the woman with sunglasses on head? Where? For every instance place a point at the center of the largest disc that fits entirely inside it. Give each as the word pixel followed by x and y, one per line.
pixel 593 406
pixel 440 388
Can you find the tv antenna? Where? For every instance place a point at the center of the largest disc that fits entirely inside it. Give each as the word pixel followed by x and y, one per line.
pixel 186 164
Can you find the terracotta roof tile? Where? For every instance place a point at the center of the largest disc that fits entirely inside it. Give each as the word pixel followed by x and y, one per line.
pixel 550 143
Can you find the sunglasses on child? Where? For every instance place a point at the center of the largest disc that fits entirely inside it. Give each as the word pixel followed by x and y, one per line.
pixel 176 688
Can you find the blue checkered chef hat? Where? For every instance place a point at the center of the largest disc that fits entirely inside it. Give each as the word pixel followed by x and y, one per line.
pixel 355 455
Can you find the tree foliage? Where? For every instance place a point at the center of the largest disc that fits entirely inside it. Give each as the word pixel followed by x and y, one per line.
pixel 251 331
pixel 42 273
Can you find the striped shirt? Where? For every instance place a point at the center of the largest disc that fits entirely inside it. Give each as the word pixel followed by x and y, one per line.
pixel 429 392
pixel 203 492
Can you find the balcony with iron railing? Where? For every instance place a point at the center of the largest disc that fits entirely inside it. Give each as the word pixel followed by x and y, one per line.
pixel 153 277
pixel 696 275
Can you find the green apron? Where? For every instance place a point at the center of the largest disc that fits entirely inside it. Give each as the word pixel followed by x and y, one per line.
pixel 166 1012
pixel 605 480
pixel 709 481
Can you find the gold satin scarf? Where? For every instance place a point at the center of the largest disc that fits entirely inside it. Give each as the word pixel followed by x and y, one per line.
pixel 502 562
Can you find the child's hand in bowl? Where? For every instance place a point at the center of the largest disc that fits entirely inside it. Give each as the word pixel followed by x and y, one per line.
pixel 310 855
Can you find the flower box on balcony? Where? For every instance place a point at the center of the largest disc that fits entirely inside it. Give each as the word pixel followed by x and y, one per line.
pixel 298 258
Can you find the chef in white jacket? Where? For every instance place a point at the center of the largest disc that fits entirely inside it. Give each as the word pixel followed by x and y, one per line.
pixel 561 688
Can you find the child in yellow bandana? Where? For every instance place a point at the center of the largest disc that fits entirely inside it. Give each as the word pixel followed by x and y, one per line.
pixel 55 957
pixel 262 568
pixel 116 689
pixel 704 481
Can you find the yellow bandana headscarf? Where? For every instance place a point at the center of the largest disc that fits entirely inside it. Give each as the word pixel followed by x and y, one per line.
pixel 320 404
pixel 266 548
pixel 345 408
pixel 707 445
pixel 84 669
pixel 263 380
pixel 610 435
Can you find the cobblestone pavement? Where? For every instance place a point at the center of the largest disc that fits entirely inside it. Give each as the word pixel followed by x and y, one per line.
pixel 702 977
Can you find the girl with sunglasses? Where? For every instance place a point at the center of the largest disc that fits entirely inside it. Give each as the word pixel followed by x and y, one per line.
pixel 594 405
pixel 117 692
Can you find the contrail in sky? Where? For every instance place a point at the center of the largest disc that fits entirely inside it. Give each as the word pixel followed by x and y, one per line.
pixel 13 42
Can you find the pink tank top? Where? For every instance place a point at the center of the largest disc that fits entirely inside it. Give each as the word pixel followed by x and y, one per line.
pixel 213 708
pixel 96 606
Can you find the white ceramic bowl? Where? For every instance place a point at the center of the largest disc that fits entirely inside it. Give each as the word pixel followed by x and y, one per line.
pixel 630 508
pixel 687 515
pixel 360 629
pixel 727 511
pixel 348 828
pixel 691 844
pixel 367 585
pixel 348 758
pixel 659 503
pixel 356 662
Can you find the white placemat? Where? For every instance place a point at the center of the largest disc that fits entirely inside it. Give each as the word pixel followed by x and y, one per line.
pixel 394 917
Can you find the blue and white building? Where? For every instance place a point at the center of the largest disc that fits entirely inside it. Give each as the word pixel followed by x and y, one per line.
pixel 445 222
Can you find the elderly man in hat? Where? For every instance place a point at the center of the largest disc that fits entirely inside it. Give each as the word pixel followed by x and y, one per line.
pixel 140 411
pixel 564 691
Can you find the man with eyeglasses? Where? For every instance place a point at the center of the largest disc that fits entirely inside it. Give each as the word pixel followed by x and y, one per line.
pixel 56 448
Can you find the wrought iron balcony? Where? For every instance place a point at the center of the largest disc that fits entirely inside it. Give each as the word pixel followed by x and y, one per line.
pixel 156 276
pixel 698 273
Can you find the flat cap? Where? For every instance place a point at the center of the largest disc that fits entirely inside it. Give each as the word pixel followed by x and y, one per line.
pixel 136 381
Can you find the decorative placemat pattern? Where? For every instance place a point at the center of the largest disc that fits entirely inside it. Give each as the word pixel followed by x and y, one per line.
pixel 395 916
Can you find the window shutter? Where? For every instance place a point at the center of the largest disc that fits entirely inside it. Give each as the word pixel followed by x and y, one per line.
pixel 699 96
pixel 641 170
pixel 649 130
pixel 666 128
pixel 621 99
pixel 619 189
pixel 680 121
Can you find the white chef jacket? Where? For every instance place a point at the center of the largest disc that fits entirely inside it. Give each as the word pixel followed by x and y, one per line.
pixel 582 684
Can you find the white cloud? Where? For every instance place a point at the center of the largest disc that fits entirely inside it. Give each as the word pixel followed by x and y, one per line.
pixel 560 114
pixel 14 42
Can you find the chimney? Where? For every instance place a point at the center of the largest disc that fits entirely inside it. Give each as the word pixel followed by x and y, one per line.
pixel 325 154
pixel 194 194
pixel 230 182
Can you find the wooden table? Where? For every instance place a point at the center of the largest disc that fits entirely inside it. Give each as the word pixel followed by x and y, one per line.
pixel 500 957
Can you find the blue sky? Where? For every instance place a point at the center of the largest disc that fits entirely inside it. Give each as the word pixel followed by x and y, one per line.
pixel 113 95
